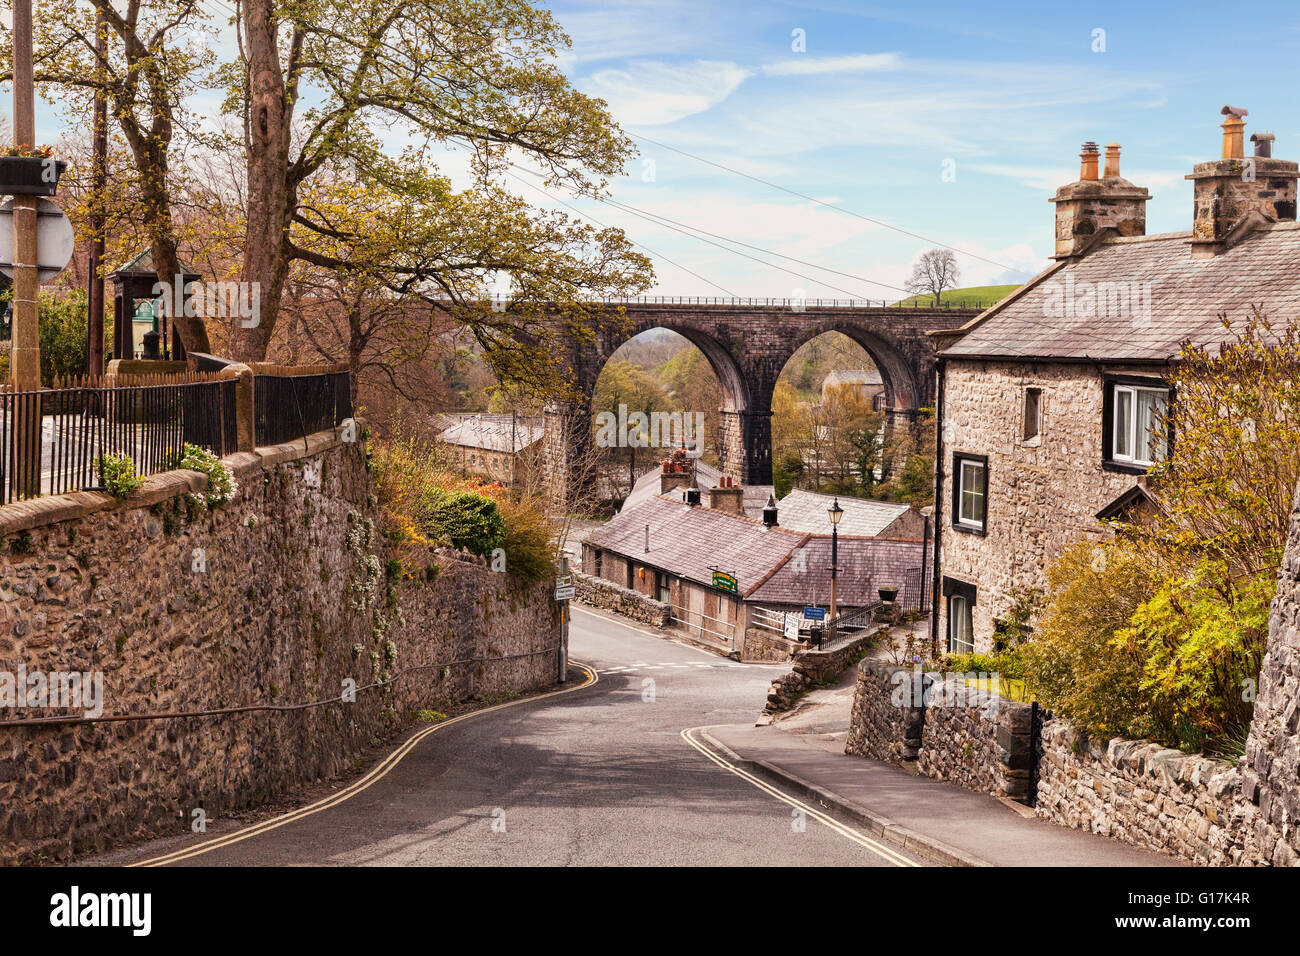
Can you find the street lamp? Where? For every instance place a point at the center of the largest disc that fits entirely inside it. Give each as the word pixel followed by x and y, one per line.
pixel 835 512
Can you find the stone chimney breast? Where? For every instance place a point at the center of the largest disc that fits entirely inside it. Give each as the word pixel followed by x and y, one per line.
pixel 1097 202
pixel 1228 190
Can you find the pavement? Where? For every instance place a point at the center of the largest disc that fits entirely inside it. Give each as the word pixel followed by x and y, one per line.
pixel 803 751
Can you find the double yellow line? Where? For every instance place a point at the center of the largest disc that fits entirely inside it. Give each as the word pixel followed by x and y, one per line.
pixel 875 846
pixel 377 773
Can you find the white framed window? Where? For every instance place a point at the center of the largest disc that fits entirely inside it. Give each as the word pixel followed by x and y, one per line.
pixel 961 639
pixel 970 491
pixel 1137 435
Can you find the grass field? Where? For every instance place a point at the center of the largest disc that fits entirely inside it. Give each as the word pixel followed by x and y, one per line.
pixel 977 296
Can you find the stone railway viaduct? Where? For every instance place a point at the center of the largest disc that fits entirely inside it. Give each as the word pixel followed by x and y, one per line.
pixel 748 342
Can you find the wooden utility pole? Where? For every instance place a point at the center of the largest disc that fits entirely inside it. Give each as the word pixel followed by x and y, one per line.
pixel 25 356
pixel 99 183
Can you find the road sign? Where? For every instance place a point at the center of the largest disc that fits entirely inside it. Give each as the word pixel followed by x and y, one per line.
pixel 792 627
pixel 564 589
pixel 54 240
pixel 814 613
pixel 726 582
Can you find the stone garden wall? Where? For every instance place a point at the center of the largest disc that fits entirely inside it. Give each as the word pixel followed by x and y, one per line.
pixel 977 739
pixel 276 599
pixel 952 731
pixel 1147 795
pixel 885 724
pixel 813 668
pixel 599 592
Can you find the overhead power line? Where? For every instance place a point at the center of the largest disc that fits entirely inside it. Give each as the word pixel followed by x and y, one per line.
pixel 828 205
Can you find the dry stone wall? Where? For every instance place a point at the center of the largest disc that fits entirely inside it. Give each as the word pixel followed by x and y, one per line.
pixel 886 722
pixel 276 598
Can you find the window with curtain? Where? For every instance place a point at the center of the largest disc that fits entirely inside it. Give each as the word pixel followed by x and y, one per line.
pixel 961 639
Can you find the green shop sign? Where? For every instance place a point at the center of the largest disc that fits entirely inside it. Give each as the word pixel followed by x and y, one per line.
pixel 725 582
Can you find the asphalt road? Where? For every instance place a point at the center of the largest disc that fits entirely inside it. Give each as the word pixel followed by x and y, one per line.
pixel 598 776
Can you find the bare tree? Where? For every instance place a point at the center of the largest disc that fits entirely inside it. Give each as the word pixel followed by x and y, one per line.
pixel 935 271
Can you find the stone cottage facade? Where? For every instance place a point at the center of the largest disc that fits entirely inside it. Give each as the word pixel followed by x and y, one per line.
pixel 1046 400
pixel 667 549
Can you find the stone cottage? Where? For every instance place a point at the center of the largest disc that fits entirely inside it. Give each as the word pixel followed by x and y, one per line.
pixel 726 575
pixel 503 448
pixel 1047 400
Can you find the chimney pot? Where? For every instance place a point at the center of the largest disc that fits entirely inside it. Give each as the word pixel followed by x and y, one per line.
pixel 1234 132
pixel 1088 166
pixel 1112 161
pixel 1263 145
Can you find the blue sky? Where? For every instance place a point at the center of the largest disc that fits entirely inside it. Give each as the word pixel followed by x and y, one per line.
pixel 882 99
pixel 883 95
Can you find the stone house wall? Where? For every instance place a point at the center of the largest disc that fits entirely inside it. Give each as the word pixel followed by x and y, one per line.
pixel 274 599
pixel 1043 494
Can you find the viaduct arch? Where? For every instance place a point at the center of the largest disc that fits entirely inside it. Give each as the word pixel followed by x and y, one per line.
pixel 748 342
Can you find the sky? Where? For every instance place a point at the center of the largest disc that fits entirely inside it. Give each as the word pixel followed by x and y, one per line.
pixel 883 99
pixel 951 122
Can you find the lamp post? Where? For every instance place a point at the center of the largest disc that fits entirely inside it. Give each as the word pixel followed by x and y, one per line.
pixel 835 512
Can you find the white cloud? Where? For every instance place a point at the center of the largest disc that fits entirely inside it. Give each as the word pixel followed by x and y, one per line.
pixel 818 66
pixel 650 93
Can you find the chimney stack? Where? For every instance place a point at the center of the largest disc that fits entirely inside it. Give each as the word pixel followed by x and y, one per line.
pixel 1229 190
pixel 728 497
pixel 1094 203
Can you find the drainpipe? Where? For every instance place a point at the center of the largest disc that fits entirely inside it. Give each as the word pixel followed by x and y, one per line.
pixel 938 505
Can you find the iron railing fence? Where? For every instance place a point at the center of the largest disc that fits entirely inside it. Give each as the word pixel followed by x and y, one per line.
pixel 289 406
pixel 846 628
pixel 51 439
pixel 915 592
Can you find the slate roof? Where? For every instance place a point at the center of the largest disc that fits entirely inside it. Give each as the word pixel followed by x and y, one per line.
pixel 1187 296
pixel 753 497
pixel 806 511
pixel 493 432
pixel 856 376
pixel 866 564
pixel 771 565
pixel 686 541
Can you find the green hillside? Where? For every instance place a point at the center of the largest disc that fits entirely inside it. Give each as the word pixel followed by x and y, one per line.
pixel 975 297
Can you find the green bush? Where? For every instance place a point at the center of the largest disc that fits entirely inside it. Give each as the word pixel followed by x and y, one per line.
pixel 1201 637
pixel 463 519
pixel 527 541
pixel 1073 665
pixel 117 472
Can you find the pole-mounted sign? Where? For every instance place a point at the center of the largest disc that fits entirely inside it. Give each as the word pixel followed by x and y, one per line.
pixel 55 241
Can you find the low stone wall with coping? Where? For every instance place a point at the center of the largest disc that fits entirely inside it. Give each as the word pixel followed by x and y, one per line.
pixel 812 668
pixel 598 592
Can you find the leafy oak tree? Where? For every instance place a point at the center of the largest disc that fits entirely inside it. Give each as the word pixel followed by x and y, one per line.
pixel 448 73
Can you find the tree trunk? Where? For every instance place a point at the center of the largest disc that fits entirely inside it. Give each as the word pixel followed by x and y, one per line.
pixel 268 127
